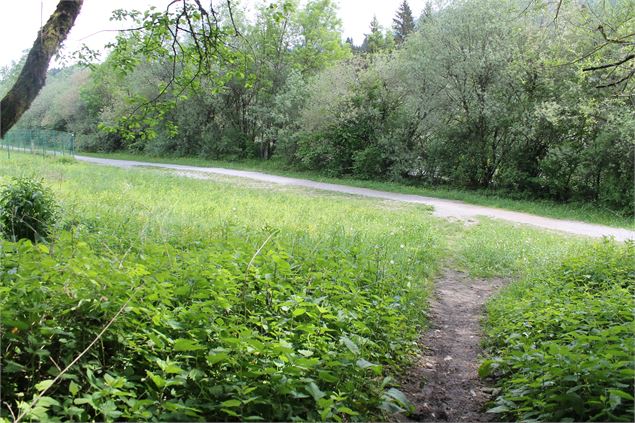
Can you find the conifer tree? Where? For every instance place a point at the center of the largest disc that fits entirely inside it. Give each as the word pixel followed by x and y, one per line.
pixel 403 22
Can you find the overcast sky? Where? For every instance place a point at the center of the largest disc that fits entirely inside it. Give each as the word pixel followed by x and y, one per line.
pixel 21 19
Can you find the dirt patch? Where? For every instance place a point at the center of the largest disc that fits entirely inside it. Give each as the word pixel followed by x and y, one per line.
pixel 443 384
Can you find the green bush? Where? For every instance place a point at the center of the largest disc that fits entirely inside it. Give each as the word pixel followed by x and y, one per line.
pixel 562 344
pixel 27 210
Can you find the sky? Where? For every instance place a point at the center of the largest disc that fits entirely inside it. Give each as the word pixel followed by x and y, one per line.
pixel 21 19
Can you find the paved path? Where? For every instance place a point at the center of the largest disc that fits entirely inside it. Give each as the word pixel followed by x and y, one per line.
pixel 442 208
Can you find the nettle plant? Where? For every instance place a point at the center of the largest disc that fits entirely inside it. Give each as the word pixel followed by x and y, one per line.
pixel 28 210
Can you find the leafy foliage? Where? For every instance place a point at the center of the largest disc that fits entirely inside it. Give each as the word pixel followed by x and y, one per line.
pixel 562 342
pixel 221 324
pixel 27 210
pixel 287 337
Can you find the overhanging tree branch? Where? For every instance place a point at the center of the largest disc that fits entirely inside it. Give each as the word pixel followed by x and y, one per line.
pixel 610 65
pixel 33 75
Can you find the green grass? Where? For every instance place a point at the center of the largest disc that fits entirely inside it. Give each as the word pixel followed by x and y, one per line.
pixel 245 301
pixel 497 249
pixel 584 212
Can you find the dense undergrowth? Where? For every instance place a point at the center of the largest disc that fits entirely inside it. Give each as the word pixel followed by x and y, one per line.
pixel 298 333
pixel 562 341
pixel 236 303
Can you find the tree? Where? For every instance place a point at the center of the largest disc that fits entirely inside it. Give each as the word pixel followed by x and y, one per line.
pixel 403 23
pixel 33 75
pixel 376 41
pixel 611 26
pixel 351 45
pixel 158 33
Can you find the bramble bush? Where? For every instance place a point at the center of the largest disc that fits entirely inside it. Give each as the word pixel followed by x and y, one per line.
pixel 562 343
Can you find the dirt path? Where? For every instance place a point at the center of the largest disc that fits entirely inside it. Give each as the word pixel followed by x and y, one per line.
pixel 442 208
pixel 444 384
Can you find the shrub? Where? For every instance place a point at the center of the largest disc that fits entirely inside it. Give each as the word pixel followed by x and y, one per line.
pixel 27 210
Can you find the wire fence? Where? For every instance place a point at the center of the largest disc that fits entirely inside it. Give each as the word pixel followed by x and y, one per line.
pixel 39 141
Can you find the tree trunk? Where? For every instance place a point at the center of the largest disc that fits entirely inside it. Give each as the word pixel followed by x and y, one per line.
pixel 33 74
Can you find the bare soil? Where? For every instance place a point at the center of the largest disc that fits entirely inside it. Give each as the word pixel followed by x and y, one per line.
pixel 443 384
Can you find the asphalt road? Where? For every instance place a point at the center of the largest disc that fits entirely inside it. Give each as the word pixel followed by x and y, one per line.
pixel 442 208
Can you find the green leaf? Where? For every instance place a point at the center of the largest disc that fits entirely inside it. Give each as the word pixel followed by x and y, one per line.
pixel 485 369
pixel 231 403
pixel 73 388
pixel 172 369
pixel 327 376
pixel 44 385
pixel 363 364
pixel 216 358
pixel 621 394
pixel 158 380
pixel 187 345
pixel 230 412
pixel 299 312
pixel 314 390
pixel 399 396
pixel 350 345
pixel 347 410
pixel 498 410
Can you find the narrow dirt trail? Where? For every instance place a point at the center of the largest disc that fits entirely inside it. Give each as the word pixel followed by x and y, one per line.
pixel 443 384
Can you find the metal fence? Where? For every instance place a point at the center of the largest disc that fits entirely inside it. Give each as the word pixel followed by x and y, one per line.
pixel 39 141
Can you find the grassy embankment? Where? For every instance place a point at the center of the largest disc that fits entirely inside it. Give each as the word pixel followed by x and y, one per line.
pixel 244 303
pixel 585 212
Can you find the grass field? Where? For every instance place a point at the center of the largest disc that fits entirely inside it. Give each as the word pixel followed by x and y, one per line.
pixel 234 301
pixel 585 212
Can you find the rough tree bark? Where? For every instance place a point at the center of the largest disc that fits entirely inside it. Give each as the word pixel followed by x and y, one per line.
pixel 33 74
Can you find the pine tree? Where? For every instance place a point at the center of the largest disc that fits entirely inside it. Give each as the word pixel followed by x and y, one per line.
pixel 403 22
pixel 427 11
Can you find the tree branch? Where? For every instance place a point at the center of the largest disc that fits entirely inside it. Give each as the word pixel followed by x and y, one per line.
pixel 619 81
pixel 610 65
